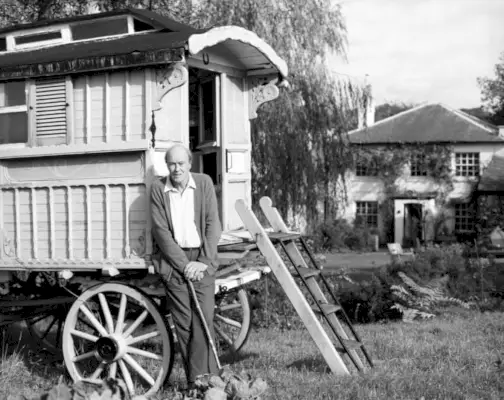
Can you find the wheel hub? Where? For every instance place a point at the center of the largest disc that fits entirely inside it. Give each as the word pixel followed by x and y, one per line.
pixel 107 349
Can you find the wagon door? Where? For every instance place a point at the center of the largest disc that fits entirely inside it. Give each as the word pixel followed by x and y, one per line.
pixel 236 146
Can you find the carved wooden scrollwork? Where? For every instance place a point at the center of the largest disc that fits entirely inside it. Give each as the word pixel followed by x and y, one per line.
pixel 173 76
pixel 8 247
pixel 262 89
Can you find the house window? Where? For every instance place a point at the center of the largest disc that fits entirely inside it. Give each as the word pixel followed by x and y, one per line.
pixel 467 164
pixel 364 169
pixel 13 113
pixel 418 165
pixel 367 213
pixel 464 217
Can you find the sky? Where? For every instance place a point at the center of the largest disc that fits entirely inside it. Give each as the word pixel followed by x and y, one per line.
pixel 418 51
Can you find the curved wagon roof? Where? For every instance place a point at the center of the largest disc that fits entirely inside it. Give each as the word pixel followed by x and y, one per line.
pixel 168 41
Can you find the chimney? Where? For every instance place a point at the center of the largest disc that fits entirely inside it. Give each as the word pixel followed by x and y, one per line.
pixel 501 131
pixel 370 110
pixel 366 112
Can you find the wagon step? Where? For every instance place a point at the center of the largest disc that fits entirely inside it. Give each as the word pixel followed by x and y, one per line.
pixel 305 267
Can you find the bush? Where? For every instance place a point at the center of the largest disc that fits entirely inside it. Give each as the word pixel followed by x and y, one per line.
pixel 340 235
pixel 446 267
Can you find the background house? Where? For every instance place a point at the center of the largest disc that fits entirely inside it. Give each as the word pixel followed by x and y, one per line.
pixel 421 205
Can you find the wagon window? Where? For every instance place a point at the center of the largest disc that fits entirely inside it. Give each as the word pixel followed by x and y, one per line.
pixel 99 29
pixel 38 37
pixel 3 44
pixel 13 113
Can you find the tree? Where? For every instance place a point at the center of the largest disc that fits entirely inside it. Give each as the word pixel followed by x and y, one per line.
pixel 477 112
pixel 389 109
pixel 298 140
pixel 492 93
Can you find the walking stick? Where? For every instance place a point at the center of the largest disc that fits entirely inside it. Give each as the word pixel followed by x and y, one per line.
pixel 205 324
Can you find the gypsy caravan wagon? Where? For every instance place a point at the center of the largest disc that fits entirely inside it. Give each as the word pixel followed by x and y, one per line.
pixel 88 107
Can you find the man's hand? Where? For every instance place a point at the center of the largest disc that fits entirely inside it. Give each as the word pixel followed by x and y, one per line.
pixel 194 271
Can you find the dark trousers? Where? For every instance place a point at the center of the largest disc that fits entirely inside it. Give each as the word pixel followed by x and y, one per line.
pixel 194 346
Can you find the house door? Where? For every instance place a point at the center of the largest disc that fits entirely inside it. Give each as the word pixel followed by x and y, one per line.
pixel 413 216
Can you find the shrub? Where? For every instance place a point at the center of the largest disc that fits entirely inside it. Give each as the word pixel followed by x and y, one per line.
pixel 340 235
pixel 444 271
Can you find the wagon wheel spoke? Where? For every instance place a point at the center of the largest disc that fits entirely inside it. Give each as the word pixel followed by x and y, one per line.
pixel 223 335
pixel 229 321
pixel 58 332
pixel 228 307
pixel 48 329
pixel 143 353
pixel 98 371
pixel 84 335
pixel 122 312
pixel 106 312
pixel 136 324
pixel 84 356
pixel 143 337
pixel 94 322
pixel 126 376
pixel 139 370
pixel 113 370
pixel 38 319
pixel 83 321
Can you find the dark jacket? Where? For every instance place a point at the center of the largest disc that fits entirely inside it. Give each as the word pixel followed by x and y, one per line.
pixel 167 255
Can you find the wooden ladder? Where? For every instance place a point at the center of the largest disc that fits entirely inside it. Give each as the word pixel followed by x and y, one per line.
pixel 328 310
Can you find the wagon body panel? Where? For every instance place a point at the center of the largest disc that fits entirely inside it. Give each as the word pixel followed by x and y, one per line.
pixel 100 115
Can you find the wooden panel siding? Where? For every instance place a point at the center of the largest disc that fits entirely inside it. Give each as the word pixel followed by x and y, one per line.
pixel 136 114
pixel 110 107
pixel 235 105
pixel 79 109
pixel 85 223
pixel 117 109
pixel 97 88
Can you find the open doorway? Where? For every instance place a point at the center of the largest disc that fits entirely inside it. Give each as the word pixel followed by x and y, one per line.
pixel 413 227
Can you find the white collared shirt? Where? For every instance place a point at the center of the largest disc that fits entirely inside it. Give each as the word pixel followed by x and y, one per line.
pixel 182 214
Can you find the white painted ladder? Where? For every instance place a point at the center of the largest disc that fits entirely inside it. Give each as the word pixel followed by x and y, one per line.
pixel 328 310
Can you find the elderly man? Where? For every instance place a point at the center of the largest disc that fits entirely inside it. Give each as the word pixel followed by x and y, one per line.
pixel 186 231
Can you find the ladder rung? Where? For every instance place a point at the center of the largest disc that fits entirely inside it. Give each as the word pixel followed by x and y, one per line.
pixel 327 308
pixel 283 237
pixel 351 345
pixel 308 272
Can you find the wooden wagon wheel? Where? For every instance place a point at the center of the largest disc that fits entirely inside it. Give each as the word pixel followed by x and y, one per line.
pixel 47 327
pixel 232 320
pixel 98 343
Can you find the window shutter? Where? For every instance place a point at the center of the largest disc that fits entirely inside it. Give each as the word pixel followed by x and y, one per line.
pixel 51 110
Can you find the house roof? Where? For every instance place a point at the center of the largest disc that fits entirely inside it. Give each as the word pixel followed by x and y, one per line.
pixel 429 123
pixel 492 178
pixel 168 44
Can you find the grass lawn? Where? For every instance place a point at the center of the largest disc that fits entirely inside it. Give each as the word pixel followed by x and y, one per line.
pixel 454 357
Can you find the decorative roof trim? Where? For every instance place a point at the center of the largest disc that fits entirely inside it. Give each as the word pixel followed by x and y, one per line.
pixel 198 42
pixel 87 64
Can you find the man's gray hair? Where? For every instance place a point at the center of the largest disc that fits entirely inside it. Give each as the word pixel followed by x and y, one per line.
pixel 181 146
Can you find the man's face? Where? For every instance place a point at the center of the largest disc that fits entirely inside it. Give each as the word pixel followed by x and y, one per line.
pixel 178 164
